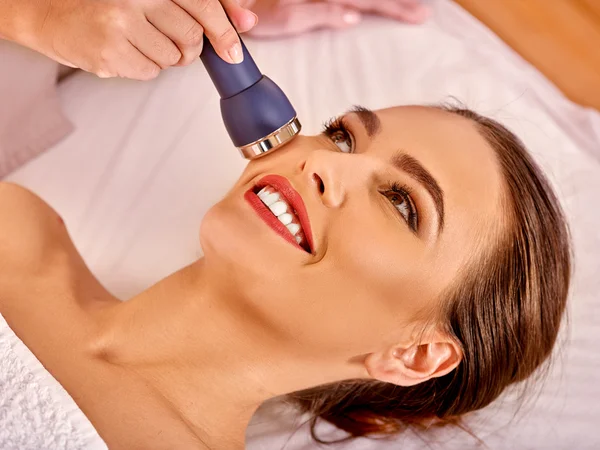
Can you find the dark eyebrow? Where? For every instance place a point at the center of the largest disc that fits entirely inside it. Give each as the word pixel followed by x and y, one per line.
pixel 415 169
pixel 368 118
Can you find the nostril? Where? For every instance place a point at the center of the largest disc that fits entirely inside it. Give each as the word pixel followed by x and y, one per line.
pixel 319 182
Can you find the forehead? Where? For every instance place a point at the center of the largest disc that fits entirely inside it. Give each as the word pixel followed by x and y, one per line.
pixel 463 163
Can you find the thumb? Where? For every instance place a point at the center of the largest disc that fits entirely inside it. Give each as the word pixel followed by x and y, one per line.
pixel 297 18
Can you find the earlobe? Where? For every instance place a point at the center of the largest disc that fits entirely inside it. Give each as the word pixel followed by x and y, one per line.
pixel 407 366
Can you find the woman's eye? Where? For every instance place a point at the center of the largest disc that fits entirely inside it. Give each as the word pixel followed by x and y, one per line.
pixel 343 141
pixel 402 201
pixel 339 134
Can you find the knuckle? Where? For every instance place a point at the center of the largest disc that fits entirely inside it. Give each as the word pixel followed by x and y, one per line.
pixel 190 54
pixel 105 58
pixel 194 36
pixel 149 72
pixel 110 54
pixel 188 58
pixel 173 57
pixel 202 6
pixel 227 38
pixel 104 73
pixel 115 16
pixel 166 55
pixel 107 50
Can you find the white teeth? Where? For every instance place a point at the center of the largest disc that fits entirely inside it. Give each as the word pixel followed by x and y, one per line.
pixel 278 208
pixel 286 218
pixel 271 198
pixel 293 227
pixel 263 193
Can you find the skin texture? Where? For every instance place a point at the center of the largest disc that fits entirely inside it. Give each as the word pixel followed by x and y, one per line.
pixel 138 38
pixel 126 38
pixel 186 363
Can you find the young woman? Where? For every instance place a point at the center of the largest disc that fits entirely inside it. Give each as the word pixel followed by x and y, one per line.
pixel 403 267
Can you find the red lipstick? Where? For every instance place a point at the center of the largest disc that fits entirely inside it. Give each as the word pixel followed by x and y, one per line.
pixel 292 198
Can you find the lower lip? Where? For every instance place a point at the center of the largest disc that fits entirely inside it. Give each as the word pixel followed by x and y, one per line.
pixel 267 216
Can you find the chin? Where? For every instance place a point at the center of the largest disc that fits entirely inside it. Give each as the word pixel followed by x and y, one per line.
pixel 230 239
pixel 235 258
pixel 220 233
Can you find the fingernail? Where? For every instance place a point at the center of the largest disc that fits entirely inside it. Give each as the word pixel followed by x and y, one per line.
pixel 235 53
pixel 255 19
pixel 351 17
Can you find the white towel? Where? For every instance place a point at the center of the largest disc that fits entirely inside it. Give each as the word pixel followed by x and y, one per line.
pixel 36 413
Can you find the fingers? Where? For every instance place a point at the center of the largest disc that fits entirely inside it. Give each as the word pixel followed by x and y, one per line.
pixel 181 28
pixel 155 45
pixel 243 19
pixel 299 18
pixel 128 63
pixel 217 27
pixel 135 39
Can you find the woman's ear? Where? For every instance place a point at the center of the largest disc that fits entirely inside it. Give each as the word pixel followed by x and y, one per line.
pixel 418 362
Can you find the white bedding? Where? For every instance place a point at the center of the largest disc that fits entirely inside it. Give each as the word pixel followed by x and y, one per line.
pixel 147 159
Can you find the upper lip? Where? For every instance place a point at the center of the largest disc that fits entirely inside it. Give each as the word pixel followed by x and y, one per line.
pixel 284 187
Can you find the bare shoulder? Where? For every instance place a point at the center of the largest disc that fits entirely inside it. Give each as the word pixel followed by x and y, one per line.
pixel 19 200
pixel 32 234
pixel 37 253
pixel 26 221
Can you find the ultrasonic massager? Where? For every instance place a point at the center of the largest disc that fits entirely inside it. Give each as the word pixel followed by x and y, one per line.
pixel 257 114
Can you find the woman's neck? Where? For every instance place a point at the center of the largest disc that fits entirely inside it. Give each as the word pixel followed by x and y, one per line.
pixel 210 358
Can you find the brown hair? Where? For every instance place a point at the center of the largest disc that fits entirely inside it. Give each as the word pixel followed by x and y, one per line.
pixel 505 312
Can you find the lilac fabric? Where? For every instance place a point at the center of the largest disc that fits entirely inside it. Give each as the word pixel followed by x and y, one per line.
pixel 31 117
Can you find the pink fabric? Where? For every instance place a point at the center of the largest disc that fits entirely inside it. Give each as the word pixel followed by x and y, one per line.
pixel 31 117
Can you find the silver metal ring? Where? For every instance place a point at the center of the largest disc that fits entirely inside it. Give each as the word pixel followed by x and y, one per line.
pixel 272 141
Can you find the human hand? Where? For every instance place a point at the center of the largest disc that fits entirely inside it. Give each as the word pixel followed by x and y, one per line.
pixel 289 17
pixel 137 38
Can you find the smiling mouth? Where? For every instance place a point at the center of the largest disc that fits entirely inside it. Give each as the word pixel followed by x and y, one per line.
pixel 282 208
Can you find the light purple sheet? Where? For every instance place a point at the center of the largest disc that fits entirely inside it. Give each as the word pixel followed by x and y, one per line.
pixel 31 117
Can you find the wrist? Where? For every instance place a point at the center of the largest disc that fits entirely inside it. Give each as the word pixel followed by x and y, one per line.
pixel 22 21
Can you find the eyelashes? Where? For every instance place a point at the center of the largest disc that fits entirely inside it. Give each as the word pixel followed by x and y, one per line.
pixel 337 130
pixel 399 196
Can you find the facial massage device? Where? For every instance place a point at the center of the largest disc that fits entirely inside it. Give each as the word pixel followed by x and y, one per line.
pixel 257 114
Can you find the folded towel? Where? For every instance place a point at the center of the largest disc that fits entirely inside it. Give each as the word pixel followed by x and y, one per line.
pixel 35 411
pixel 31 117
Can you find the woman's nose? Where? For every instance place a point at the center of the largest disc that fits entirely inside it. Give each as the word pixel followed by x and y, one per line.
pixel 325 172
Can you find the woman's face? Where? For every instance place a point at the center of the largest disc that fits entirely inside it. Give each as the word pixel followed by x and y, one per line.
pixel 391 206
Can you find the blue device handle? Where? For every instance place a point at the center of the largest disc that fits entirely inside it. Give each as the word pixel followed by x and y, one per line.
pixel 252 106
pixel 229 79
